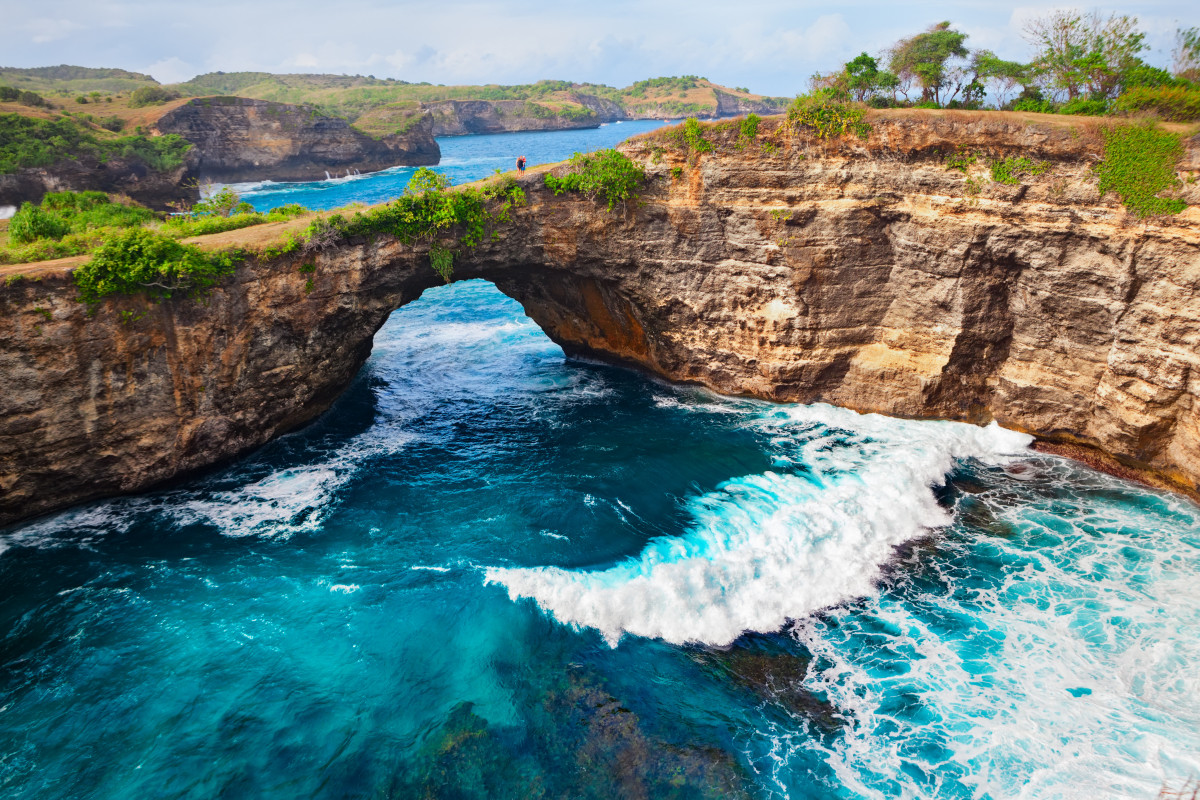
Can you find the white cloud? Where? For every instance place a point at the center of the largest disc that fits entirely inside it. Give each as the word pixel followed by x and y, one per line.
pixel 769 46
pixel 46 29
pixel 169 70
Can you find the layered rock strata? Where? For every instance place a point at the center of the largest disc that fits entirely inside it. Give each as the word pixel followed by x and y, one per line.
pixel 237 139
pixel 856 272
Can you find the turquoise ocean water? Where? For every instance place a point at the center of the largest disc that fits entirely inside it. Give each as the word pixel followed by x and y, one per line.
pixel 490 571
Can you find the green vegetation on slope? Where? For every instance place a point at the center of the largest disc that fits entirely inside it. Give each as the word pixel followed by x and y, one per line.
pixel 826 114
pixel 604 175
pixel 31 142
pixel 153 263
pixel 353 97
pixel 430 211
pixel 71 80
pixel 141 261
pixel 73 223
pixel 1139 165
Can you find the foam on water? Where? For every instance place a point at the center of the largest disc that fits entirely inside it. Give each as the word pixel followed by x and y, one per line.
pixel 1072 673
pixel 765 549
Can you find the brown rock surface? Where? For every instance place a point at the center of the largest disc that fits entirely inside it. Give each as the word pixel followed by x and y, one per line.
pixel 860 273
pixel 238 139
pixel 125 176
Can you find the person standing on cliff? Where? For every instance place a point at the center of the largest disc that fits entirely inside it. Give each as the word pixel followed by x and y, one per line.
pixel 521 163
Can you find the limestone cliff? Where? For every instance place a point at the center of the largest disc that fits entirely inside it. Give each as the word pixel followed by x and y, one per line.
pixel 861 273
pixel 127 176
pixel 459 117
pixel 237 139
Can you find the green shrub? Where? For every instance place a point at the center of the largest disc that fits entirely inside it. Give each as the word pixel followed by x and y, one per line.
pixel 161 153
pixel 1139 165
pixel 140 261
pixel 62 213
pixel 749 128
pixel 693 135
pixel 1084 107
pixel 427 212
pixel 1034 105
pixel 203 223
pixel 11 95
pixel 151 96
pixel 1174 104
pixel 1010 170
pixel 826 115
pixel 32 222
pixel 605 174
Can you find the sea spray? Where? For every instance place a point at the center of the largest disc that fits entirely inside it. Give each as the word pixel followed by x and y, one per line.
pixel 765 549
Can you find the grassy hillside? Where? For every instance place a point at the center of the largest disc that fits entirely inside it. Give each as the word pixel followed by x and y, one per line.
pixel 357 96
pixel 68 80
pixel 113 99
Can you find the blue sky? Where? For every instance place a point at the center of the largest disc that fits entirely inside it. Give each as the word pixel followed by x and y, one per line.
pixel 770 47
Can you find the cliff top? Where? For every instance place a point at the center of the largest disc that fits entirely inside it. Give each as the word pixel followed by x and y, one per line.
pixel 919 138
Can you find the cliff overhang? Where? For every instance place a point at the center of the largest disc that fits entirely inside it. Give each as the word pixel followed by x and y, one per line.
pixel 862 273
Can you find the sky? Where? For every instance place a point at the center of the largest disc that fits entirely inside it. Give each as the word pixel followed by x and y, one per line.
pixel 771 47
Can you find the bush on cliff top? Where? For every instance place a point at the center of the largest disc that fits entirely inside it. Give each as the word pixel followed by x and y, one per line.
pixel 1171 103
pixel 140 261
pixel 73 223
pixel 606 175
pixel 428 212
pixel 827 114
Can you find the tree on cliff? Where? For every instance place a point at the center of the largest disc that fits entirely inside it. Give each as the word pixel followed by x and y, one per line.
pixel 926 60
pixel 1186 56
pixel 1085 55
pixel 865 79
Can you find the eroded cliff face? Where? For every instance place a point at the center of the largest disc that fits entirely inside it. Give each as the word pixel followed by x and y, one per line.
pixel 460 117
pixel 125 176
pixel 238 139
pixel 860 273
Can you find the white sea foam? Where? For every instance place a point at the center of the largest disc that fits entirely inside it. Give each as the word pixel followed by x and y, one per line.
pixel 1077 678
pixel 765 549
pixel 288 501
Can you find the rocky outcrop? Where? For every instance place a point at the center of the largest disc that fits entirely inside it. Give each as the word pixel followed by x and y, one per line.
pixel 860 273
pixel 460 117
pixel 237 139
pixel 731 105
pixel 126 176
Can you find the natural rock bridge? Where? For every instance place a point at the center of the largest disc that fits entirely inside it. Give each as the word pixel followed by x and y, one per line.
pixel 856 273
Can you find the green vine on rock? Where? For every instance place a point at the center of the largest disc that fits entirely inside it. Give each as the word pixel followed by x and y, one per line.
pixel 1009 170
pixel 429 208
pixel 961 160
pixel 604 175
pixel 1139 165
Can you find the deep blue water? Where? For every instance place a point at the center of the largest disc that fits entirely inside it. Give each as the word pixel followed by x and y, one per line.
pixel 490 571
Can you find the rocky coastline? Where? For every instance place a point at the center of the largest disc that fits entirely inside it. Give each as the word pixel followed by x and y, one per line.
pixel 858 272
pixel 238 139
